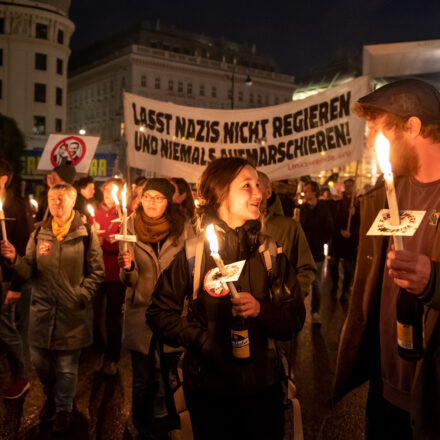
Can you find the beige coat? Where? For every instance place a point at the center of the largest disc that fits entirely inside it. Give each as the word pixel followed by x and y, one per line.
pixel 140 284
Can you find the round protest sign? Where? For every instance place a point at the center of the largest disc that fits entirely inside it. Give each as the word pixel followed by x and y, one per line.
pixel 71 148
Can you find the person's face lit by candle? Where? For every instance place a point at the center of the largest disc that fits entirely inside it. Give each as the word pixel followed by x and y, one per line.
pixel 243 200
pixel 154 204
pixel 107 195
pixel 403 156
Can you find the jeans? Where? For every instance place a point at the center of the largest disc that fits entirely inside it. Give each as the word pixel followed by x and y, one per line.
pixel 143 390
pixel 10 337
pixel 58 373
pixel 317 288
pixel 108 319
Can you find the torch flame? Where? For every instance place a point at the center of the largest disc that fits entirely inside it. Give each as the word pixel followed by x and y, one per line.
pixel 115 194
pixel 124 198
pixel 212 238
pixel 382 147
pixel 91 210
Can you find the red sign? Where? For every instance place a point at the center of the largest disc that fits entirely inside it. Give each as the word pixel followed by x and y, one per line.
pixel 71 149
pixel 44 248
pixel 213 284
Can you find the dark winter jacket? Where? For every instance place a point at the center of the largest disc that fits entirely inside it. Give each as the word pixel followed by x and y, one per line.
pixel 205 331
pixel 317 223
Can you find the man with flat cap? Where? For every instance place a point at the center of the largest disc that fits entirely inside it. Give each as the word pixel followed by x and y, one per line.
pixel 404 395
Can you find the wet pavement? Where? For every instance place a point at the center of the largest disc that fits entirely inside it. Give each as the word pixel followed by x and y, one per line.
pixel 103 404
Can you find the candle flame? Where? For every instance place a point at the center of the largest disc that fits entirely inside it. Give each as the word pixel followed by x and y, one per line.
pixel 382 147
pixel 124 198
pixel 196 203
pixel 91 210
pixel 34 203
pixel 1 205
pixel 212 238
pixel 115 194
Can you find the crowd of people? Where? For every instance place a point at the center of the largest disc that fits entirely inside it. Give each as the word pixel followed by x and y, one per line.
pixel 164 298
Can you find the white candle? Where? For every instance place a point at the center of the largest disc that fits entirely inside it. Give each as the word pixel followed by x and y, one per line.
pixel 92 214
pixel 124 218
pixel 213 245
pixel 3 221
pixel 382 147
pixel 116 200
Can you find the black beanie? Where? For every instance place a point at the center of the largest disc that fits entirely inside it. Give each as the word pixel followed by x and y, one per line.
pixel 164 186
pixel 66 172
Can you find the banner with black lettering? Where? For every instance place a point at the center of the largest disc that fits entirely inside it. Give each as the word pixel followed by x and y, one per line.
pixel 284 141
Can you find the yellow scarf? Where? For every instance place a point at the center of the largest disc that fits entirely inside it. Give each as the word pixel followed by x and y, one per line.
pixel 61 231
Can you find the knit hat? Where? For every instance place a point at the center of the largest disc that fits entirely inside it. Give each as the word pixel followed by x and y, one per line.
pixel 66 172
pixel 406 98
pixel 164 186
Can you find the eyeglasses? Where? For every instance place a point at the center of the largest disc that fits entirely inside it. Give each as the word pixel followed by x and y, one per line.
pixel 155 199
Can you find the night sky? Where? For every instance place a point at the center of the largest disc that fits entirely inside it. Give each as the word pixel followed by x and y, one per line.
pixel 301 36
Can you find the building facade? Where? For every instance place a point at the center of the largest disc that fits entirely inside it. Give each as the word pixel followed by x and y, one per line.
pixel 34 54
pixel 167 65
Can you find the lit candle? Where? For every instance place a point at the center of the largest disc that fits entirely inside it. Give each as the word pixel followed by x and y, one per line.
pixel 382 147
pixel 92 214
pixel 3 221
pixel 34 203
pixel 116 199
pixel 213 245
pixel 124 218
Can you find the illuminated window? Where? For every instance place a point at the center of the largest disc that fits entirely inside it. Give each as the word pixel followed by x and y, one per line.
pixel 39 126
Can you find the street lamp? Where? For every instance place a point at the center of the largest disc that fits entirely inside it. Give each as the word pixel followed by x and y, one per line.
pixel 248 82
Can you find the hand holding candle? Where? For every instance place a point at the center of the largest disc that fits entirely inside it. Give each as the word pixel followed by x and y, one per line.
pixel 382 147
pixel 92 214
pixel 213 245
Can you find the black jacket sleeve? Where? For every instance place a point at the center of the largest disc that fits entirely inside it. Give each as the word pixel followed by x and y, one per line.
pixel 164 316
pixel 285 314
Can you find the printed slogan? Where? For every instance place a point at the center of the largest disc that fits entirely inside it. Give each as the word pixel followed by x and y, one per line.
pixel 284 141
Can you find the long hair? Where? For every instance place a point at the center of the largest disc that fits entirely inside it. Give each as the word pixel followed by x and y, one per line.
pixel 187 205
pixel 214 183
pixel 175 218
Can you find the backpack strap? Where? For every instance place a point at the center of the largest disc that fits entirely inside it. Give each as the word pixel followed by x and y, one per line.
pixel 269 251
pixel 194 256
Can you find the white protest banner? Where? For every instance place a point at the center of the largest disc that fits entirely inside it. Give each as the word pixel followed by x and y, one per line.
pixel 284 141
pixel 60 148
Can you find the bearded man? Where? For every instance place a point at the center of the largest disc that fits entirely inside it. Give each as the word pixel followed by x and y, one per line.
pixel 404 396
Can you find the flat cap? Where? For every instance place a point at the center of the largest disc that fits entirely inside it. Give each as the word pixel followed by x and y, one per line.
pixel 406 98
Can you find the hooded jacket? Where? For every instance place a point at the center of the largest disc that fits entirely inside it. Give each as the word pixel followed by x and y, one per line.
pixel 205 331
pixel 63 285
pixel 288 233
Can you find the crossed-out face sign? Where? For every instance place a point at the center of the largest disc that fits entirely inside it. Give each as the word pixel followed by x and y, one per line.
pixel 62 148
pixel 71 149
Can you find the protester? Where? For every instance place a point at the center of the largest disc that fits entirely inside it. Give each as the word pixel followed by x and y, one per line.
pixel 404 396
pixel 183 197
pixel 136 192
pixel 61 174
pixel 86 190
pixel 110 296
pixel 159 228
pixel 317 223
pixel 287 233
pixel 18 229
pixel 344 242
pixel 64 261
pixel 228 399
